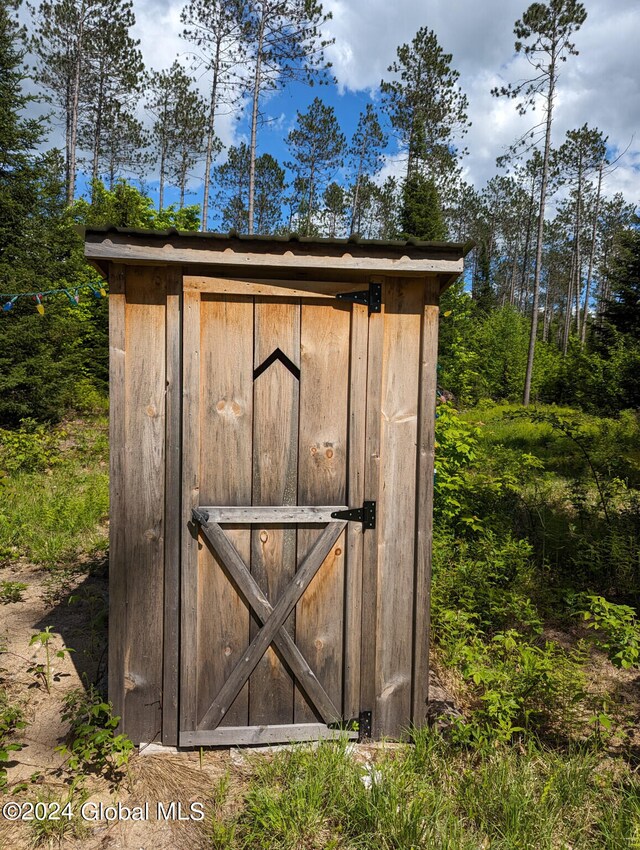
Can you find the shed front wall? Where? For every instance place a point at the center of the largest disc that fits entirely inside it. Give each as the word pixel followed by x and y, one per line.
pixel 150 396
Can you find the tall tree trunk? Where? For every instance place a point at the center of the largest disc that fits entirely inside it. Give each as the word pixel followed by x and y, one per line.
pixel 592 253
pixel 568 309
pixel 97 131
pixel 210 137
pixel 254 122
pixel 543 198
pixel 578 289
pixel 75 105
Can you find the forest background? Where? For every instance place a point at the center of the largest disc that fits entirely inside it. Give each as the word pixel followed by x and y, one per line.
pixel 538 438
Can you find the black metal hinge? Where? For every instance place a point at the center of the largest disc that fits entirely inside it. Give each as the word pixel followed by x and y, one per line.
pixel 360 724
pixel 372 297
pixel 366 515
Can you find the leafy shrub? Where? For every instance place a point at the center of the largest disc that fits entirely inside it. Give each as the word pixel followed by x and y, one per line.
pixel 92 742
pixel 618 625
pixel 11 591
pixel 32 447
pixel 11 719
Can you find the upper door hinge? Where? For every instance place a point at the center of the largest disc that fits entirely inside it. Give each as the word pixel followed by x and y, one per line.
pixel 372 297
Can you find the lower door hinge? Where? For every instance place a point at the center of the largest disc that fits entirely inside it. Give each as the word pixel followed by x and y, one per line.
pixel 360 724
pixel 366 515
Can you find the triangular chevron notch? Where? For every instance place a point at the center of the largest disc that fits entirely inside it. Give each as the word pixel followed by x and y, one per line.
pixel 282 357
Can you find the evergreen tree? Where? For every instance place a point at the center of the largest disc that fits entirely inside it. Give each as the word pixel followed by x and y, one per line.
pixel 421 216
pixel 232 199
pixel 64 29
pixel 365 155
pixel 43 359
pixel 284 40
pixel 114 75
pixel 547 27
pixel 426 106
pixel 317 149
pixel 217 28
pixel 334 202
pixel 124 145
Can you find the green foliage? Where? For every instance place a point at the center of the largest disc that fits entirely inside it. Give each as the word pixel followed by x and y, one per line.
pixel 11 591
pixel 11 720
pixel 32 447
pixel 421 213
pixel 618 626
pixel 126 206
pixel 71 501
pixel 434 794
pixel 45 672
pixel 93 744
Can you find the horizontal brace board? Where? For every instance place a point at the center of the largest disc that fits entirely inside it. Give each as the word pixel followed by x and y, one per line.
pixel 226 736
pixel 279 514
pixel 271 287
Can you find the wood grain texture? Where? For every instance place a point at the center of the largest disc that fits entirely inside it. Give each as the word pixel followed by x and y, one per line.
pixel 322 479
pixel 372 493
pixel 117 491
pixel 424 499
pixel 173 513
pixel 131 253
pixel 272 514
pixel 226 425
pixel 262 609
pixel 234 682
pixel 356 496
pixel 190 499
pixel 275 474
pixel 144 486
pixel 396 507
pixel 271 287
pixel 252 735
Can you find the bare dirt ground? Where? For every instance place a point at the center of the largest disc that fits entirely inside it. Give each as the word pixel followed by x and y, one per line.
pixel 73 604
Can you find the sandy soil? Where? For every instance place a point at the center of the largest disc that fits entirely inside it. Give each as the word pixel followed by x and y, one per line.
pixel 40 773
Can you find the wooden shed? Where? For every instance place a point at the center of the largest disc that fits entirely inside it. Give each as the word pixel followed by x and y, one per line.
pixel 272 443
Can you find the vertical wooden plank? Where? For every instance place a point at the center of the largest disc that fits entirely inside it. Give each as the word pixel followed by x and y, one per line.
pixel 190 499
pixel 226 431
pixel 372 493
pixel 424 500
pixel 355 497
pixel 173 513
pixel 397 509
pixel 275 460
pixel 144 482
pixel 322 465
pixel 117 503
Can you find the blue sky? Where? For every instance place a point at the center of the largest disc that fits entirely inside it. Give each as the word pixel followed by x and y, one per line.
pixel 599 86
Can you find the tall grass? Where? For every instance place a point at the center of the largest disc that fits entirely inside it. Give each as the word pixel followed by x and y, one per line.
pixel 54 504
pixel 437 796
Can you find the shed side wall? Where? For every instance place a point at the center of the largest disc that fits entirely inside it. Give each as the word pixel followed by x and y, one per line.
pixel 136 571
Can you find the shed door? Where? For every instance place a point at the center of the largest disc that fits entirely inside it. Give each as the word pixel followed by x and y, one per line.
pixel 274 400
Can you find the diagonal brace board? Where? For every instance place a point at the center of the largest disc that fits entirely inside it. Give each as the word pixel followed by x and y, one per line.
pixel 263 609
pixel 270 629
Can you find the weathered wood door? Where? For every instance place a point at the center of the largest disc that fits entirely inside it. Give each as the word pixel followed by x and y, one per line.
pixel 274 393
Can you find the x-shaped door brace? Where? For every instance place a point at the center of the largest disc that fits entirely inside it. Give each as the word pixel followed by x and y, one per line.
pixel 271 617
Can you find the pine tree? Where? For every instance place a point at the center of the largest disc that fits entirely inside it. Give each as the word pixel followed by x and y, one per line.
pixel 547 27
pixel 124 146
pixel 284 39
pixel 114 74
pixel 217 28
pixel 421 216
pixel 64 29
pixel 365 155
pixel 232 199
pixel 334 203
pixel 317 148
pixel 426 106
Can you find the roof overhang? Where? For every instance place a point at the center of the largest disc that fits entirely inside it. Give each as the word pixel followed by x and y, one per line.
pixel 287 258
